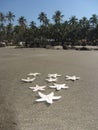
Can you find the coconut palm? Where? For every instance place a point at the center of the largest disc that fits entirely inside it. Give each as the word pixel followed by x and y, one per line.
pixel 84 27
pixel 22 22
pixel 2 20
pixel 73 34
pixel 2 17
pixel 65 30
pixel 10 16
pixel 57 17
pixel 83 22
pixel 32 25
pixel 16 34
pixel 43 19
pixel 43 29
pixel 73 21
pixel 57 27
pixel 94 20
pixel 2 26
pixel 22 28
pixel 9 32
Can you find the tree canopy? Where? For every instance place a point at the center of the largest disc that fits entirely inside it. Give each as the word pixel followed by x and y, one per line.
pixel 72 32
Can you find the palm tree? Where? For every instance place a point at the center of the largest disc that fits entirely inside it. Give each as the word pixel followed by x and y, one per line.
pixel 73 21
pixel 2 27
pixel 22 22
pixel 9 32
pixel 94 20
pixel 43 19
pixel 57 17
pixel 84 27
pixel 32 25
pixel 84 23
pixel 22 28
pixel 2 20
pixel 57 27
pixel 16 34
pixel 2 17
pixel 10 16
pixel 43 29
pixel 65 30
pixel 73 34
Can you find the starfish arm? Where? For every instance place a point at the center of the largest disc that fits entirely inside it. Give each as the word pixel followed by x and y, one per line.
pixel 40 100
pixel 33 79
pixel 42 95
pixel 78 77
pixel 55 80
pixel 30 74
pixel 42 86
pixel 52 86
pixel 41 89
pixel 58 88
pixel 35 89
pixel 67 76
pixel 65 87
pixel 50 94
pixel 49 75
pixel 56 97
pixel 31 87
pixel 38 73
pixel 49 100
pixel 54 76
pixel 58 75
pixel 33 74
pixel 24 80
pixel 47 80
pixel 63 84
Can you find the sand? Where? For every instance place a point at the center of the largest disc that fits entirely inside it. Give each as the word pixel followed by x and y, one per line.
pixel 76 110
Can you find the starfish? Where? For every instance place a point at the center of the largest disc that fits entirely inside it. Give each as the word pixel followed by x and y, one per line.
pixel 28 80
pixel 34 74
pixel 59 86
pixel 51 80
pixel 48 98
pixel 38 88
pixel 73 78
pixel 53 75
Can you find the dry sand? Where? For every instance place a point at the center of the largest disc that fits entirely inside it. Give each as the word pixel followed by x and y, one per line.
pixel 76 110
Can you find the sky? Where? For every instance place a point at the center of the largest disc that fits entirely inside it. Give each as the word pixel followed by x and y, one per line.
pixel 30 9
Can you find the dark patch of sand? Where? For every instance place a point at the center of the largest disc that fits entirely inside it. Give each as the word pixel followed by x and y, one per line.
pixel 76 110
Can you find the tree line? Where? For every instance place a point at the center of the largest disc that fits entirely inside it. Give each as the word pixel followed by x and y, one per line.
pixel 69 32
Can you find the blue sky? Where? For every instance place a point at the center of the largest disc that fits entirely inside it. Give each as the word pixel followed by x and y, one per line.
pixel 30 9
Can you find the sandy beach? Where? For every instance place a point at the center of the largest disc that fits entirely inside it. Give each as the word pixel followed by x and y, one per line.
pixel 76 110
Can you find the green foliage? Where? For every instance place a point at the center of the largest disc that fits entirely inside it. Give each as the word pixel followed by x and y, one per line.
pixel 69 32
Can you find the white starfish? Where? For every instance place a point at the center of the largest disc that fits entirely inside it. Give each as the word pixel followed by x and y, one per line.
pixel 38 88
pixel 47 98
pixel 53 75
pixel 59 86
pixel 51 80
pixel 34 74
pixel 28 80
pixel 73 78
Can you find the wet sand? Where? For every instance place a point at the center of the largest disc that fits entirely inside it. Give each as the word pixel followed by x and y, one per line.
pixel 76 110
